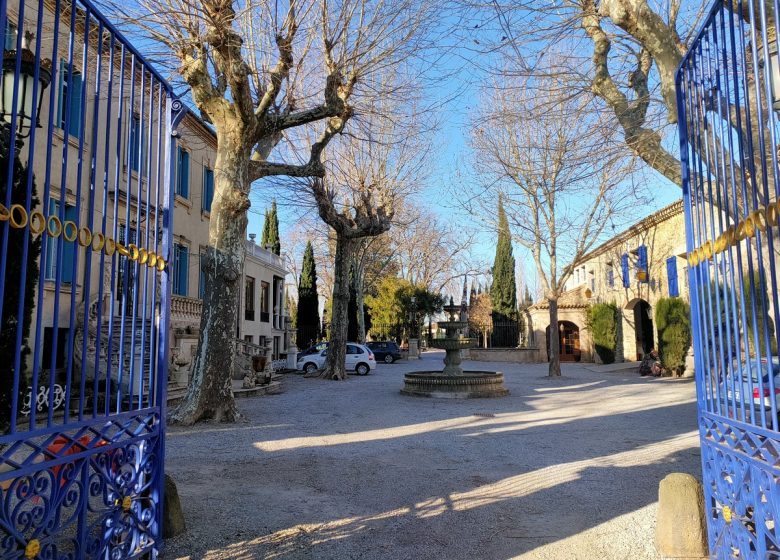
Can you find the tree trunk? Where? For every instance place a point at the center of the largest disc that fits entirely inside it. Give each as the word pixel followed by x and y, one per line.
pixel 553 340
pixel 360 301
pixel 337 346
pixel 210 393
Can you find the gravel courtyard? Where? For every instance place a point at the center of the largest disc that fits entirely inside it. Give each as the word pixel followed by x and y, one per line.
pixel 564 469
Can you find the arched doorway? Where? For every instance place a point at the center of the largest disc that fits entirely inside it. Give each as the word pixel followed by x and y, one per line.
pixel 643 327
pixel 568 341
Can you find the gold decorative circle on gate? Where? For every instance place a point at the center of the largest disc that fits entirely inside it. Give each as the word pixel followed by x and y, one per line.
pixel 52 226
pixel 32 549
pixel 727 514
pixel 127 503
pixel 18 221
pixel 37 222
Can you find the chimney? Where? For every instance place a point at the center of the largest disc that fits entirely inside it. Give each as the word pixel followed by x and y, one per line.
pixel 252 237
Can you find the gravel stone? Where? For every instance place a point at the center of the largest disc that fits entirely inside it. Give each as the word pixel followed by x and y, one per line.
pixel 560 469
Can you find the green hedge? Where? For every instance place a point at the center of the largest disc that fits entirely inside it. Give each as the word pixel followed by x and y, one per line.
pixel 603 325
pixel 673 320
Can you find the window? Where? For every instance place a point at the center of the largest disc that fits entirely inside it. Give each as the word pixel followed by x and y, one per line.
pixel 208 189
pixel 610 276
pixel 180 269
pixel 249 299
pixel 137 153
pixel 183 173
pixel 249 338
pixel 68 249
pixel 265 291
pixel 69 108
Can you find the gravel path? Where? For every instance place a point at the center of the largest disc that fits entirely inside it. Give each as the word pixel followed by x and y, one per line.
pixel 564 469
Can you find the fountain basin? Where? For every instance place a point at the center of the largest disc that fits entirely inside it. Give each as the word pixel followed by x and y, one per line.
pixel 452 324
pixel 470 385
pixel 453 343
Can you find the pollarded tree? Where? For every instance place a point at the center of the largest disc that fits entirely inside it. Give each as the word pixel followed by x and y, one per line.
pixel 559 190
pixel 367 178
pixel 308 315
pixel 261 71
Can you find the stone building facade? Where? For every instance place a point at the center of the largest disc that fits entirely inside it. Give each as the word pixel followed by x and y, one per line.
pixel 634 270
pixel 116 136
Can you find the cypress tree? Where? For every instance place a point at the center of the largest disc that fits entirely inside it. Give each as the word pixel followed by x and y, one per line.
pixel 308 315
pixel 503 292
pixel 266 231
pixel 273 230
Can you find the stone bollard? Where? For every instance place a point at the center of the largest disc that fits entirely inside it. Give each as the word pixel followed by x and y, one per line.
pixel 173 518
pixel 681 530
pixel 414 350
pixel 292 357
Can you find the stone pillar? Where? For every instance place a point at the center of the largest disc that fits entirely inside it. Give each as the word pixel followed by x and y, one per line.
pixel 414 349
pixel 689 364
pixel 292 357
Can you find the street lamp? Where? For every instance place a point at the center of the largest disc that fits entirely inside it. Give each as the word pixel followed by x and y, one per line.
pixel 774 70
pixel 28 110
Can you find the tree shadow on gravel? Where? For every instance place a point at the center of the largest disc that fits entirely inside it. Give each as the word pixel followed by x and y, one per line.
pixel 451 493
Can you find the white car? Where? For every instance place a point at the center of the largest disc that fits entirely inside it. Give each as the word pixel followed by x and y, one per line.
pixel 358 359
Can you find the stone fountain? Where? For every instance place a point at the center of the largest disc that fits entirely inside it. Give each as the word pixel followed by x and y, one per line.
pixel 452 382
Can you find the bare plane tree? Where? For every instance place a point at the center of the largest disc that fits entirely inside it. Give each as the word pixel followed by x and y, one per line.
pixel 626 54
pixel 367 177
pixel 560 191
pixel 270 76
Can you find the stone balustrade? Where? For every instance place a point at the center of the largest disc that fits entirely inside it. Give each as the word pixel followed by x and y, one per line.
pixel 186 309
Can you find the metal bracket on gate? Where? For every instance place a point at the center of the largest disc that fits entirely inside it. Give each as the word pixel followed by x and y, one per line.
pixel 178 110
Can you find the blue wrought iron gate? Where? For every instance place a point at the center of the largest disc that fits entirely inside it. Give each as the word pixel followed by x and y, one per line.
pixel 85 237
pixel 728 88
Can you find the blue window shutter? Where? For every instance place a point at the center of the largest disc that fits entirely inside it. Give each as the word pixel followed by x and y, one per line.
pixel 178 170
pixel 50 272
pixel 74 104
pixel 208 188
pixel 626 273
pixel 10 36
pixel 185 162
pixel 135 134
pixel 641 263
pixel 201 279
pixel 184 270
pixel 671 272
pixel 69 247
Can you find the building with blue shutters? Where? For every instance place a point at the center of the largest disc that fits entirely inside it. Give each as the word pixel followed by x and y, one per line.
pixel 633 269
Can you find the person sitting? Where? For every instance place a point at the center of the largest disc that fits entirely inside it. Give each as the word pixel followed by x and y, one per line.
pixel 651 365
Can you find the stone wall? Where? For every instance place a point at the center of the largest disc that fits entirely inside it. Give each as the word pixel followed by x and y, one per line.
pixel 512 355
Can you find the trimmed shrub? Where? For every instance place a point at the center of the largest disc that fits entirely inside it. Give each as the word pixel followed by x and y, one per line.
pixel 603 325
pixel 673 320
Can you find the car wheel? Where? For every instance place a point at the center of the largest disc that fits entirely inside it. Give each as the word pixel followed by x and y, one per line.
pixel 310 368
pixel 388 359
pixel 362 369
